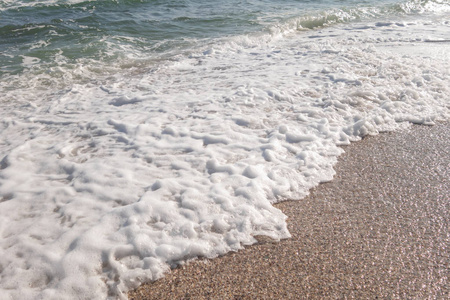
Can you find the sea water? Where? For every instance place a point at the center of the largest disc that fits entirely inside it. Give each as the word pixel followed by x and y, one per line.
pixel 136 135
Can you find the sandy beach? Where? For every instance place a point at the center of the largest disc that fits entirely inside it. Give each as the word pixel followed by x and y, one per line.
pixel 379 230
pixel 188 149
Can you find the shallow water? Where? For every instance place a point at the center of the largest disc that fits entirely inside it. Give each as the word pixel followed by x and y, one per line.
pixel 127 149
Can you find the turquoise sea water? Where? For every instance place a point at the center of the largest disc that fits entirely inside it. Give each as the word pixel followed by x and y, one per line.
pixel 69 32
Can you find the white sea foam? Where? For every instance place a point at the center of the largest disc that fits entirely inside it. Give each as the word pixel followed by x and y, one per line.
pixel 8 4
pixel 107 181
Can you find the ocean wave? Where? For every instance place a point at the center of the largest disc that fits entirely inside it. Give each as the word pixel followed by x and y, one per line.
pixel 329 17
pixel 115 168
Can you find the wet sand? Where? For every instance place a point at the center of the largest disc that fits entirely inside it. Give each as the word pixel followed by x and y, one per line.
pixel 379 230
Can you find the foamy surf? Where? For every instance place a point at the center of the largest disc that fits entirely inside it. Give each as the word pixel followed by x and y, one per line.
pixel 112 174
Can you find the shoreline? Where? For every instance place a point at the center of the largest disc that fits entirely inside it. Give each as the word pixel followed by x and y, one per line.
pixel 379 229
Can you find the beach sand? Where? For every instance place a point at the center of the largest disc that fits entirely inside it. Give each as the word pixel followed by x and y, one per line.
pixel 379 230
